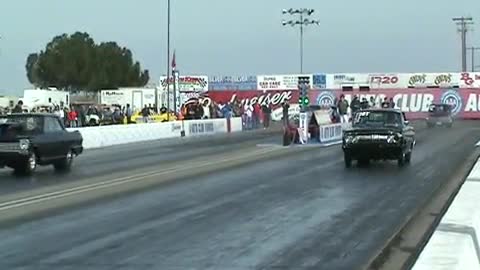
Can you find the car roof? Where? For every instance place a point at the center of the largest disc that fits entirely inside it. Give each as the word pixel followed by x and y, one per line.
pixel 382 110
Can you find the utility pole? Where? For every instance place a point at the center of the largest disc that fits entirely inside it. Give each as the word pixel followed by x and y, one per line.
pixel 473 49
pixel 462 23
pixel 302 21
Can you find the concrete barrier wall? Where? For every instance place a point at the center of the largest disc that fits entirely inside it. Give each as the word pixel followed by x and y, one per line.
pixel 96 137
pixel 455 243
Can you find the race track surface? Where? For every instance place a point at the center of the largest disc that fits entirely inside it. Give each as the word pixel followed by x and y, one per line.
pixel 101 162
pixel 302 211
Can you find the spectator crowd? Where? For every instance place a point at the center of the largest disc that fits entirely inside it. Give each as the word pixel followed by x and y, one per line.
pixel 80 115
pixel 341 110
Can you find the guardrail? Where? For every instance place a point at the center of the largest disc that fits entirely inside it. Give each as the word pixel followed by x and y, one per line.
pixel 102 136
pixel 455 242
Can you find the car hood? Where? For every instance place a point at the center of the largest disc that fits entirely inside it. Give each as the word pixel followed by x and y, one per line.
pixel 372 130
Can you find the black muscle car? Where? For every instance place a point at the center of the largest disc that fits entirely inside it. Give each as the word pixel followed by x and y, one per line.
pixel 439 114
pixel 31 139
pixel 378 134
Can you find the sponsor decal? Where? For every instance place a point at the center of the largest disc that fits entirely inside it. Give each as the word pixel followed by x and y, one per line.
pixel 275 98
pixel 443 79
pixel 454 99
pixel 176 127
pixel 280 82
pixel 319 81
pixel 326 99
pixel 201 128
pixel 417 79
pixel 383 79
pixel 232 83
pixel 186 83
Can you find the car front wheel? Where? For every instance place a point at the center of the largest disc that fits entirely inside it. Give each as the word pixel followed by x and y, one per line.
pixel 348 160
pixel 28 166
pixel 402 160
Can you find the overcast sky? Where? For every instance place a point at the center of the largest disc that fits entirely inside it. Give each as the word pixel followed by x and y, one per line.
pixel 241 37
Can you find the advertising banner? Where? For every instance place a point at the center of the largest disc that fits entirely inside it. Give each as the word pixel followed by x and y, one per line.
pixel 187 83
pixel 441 80
pixel 413 101
pixel 387 80
pixel 468 79
pixel 319 81
pixel 279 82
pixel 355 80
pixel 275 98
pixel 110 97
pixel 232 83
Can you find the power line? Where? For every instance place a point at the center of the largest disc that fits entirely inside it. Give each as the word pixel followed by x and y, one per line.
pixel 473 49
pixel 302 21
pixel 462 23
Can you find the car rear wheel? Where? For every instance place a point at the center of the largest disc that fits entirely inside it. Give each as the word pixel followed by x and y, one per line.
pixel 348 160
pixel 65 164
pixel 27 167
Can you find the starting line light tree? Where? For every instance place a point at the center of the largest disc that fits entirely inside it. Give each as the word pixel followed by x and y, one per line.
pixel 303 86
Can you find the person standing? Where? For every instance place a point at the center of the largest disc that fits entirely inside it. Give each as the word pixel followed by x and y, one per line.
pixel 343 109
pixel 267 111
pixel 285 108
pixel 18 108
pixel 128 114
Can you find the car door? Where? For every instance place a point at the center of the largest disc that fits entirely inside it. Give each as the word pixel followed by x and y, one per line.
pixel 53 130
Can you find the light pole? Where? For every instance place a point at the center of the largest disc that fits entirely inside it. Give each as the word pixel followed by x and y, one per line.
pixel 462 23
pixel 302 21
pixel 168 60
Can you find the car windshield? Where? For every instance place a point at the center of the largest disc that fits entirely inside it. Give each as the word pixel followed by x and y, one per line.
pixel 439 109
pixel 20 125
pixel 377 118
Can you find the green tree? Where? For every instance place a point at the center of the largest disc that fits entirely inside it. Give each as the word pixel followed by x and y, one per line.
pixel 75 62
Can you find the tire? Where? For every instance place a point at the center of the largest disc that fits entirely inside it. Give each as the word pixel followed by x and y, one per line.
pixel 65 164
pixel 402 160
pixel 449 125
pixel 92 122
pixel 28 167
pixel 408 157
pixel 348 160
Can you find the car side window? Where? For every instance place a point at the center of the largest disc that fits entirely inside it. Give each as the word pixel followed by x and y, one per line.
pixel 52 125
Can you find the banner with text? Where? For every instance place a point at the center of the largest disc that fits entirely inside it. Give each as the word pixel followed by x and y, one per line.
pixel 232 83
pixel 279 82
pixel 413 101
pixel 186 83
pixel 355 80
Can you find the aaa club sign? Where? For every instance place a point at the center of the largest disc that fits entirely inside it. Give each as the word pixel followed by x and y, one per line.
pixel 414 102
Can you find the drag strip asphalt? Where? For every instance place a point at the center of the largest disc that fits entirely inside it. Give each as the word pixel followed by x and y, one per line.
pixel 301 211
pixel 109 160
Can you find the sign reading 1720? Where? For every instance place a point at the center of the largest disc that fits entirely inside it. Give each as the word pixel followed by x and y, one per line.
pixel 384 79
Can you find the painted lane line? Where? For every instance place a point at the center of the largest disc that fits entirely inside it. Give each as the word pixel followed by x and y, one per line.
pixel 119 181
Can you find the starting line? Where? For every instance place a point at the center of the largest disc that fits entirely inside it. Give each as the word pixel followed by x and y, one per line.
pixel 310 144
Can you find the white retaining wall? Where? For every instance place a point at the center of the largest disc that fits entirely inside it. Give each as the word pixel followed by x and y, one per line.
pixel 455 243
pixel 96 137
